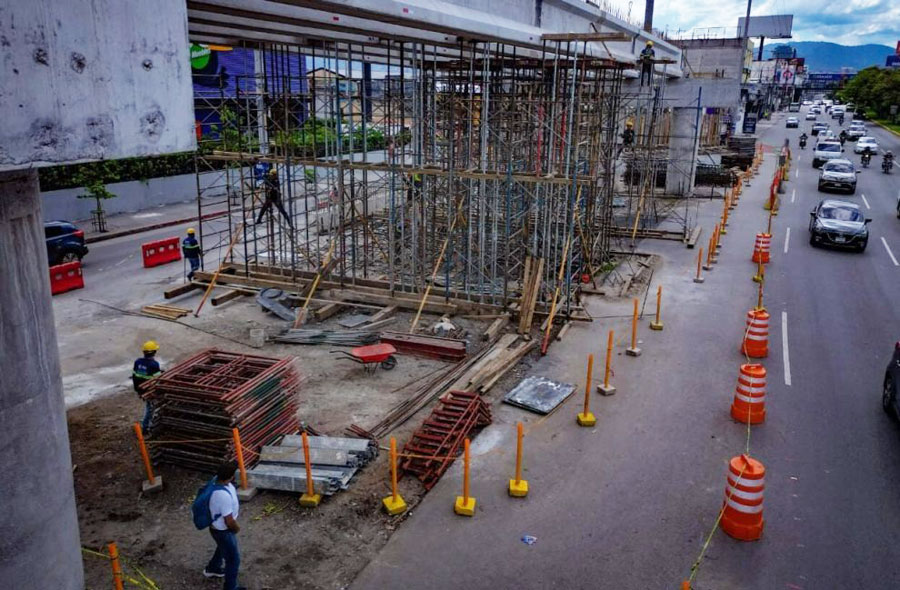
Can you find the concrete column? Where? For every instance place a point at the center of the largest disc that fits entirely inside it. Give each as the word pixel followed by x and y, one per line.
pixel 683 144
pixel 39 541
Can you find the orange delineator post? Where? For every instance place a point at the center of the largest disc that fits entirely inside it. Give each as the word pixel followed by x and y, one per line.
pixel 144 455
pixel 394 504
pixel 698 278
pixel 518 487
pixel 465 504
pixel 658 325
pixel 116 566
pixel 310 499
pixel 709 255
pixel 239 451
pixel 586 418
pixel 634 350
pixel 606 388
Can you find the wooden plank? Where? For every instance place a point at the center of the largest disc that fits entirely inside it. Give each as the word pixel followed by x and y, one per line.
pixel 384 313
pixel 227 296
pixel 597 37
pixel 495 327
pixel 328 310
pixel 387 300
pixel 180 290
pixel 534 292
pixel 695 235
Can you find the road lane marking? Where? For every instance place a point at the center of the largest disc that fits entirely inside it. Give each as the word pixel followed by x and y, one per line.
pixel 787 240
pixel 891 254
pixel 793 194
pixel 797 174
pixel 786 357
pixel 865 201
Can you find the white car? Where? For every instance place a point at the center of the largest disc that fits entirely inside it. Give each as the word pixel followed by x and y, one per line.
pixel 807 103
pixel 826 150
pixel 810 116
pixel 866 142
pixel 855 132
pixel 827 135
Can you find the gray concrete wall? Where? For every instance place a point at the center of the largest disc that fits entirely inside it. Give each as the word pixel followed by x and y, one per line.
pixel 683 144
pixel 39 541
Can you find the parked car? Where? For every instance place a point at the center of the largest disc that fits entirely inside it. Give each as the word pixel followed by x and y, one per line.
pixel 891 385
pixel 826 150
pixel 792 122
pixel 65 242
pixel 855 132
pixel 838 174
pixel 838 223
pixel 817 127
pixel 866 142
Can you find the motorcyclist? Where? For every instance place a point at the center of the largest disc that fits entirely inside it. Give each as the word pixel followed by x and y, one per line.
pixel 866 156
pixel 840 119
pixel 843 136
pixel 888 161
pixel 803 139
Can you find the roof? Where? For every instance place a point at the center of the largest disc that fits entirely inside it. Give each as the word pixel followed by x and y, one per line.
pixel 839 203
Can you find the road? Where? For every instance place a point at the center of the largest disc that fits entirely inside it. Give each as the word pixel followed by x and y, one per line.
pixel 628 504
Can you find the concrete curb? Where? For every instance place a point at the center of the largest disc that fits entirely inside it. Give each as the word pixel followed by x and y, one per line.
pixel 144 228
pixel 888 129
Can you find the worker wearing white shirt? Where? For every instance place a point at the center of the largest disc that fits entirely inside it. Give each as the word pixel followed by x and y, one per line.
pixel 224 508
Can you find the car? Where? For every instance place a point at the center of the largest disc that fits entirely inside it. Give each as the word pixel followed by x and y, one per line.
pixel 838 223
pixel 837 112
pixel 816 110
pixel 792 122
pixel 807 103
pixel 891 385
pixel 838 174
pixel 827 135
pixel 794 107
pixel 866 142
pixel 817 127
pixel 826 150
pixel 855 132
pixel 65 242
pixel 810 116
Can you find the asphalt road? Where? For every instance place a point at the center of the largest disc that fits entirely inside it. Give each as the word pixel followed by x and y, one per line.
pixel 628 504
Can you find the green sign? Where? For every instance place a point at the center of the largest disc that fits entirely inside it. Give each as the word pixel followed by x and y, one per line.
pixel 199 56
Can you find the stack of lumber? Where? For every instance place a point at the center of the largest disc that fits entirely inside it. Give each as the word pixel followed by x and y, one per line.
pixel 491 367
pixel 531 286
pixel 166 312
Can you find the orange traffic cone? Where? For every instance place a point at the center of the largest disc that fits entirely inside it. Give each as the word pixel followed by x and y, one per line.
pixel 761 248
pixel 749 403
pixel 756 336
pixel 743 514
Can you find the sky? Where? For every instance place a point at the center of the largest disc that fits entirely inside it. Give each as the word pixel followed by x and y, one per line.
pixel 848 22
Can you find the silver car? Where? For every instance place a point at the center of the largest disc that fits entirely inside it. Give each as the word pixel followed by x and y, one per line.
pixel 838 174
pixel 840 224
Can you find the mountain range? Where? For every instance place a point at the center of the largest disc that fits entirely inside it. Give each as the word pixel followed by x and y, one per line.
pixel 822 56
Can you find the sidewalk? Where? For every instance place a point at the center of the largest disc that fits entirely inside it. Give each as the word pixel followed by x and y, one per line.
pixel 124 224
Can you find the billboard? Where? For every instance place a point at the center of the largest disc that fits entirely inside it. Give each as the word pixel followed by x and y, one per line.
pixel 776 26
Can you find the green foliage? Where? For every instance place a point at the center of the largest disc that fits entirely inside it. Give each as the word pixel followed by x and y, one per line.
pixel 874 89
pixel 109 171
pixel 94 181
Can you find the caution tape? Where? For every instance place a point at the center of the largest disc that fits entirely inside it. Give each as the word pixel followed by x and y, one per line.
pixel 145 582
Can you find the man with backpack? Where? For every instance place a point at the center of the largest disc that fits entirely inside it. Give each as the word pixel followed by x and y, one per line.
pixel 216 507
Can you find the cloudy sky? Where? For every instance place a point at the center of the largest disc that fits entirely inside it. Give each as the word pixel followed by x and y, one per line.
pixel 849 22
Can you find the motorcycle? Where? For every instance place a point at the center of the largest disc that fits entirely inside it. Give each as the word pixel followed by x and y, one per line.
pixel 886 165
pixel 802 143
pixel 866 158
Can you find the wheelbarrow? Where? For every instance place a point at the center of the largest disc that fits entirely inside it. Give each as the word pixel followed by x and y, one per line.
pixel 370 356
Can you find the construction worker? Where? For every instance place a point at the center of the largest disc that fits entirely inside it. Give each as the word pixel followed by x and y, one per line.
pixel 646 58
pixel 191 248
pixel 273 197
pixel 627 136
pixel 145 369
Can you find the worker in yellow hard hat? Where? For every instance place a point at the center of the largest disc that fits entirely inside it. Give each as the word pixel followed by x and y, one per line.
pixel 145 369
pixel 192 253
pixel 646 58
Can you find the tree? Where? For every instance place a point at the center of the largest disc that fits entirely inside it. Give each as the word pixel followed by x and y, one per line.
pixel 94 181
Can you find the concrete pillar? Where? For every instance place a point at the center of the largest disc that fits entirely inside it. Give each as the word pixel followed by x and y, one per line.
pixel 683 144
pixel 39 541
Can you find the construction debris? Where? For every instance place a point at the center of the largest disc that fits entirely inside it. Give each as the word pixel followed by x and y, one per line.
pixel 198 402
pixel 492 366
pixel 271 299
pixel 435 445
pixel 447 349
pixel 333 463
pixel 539 394
pixel 166 312
pixel 336 337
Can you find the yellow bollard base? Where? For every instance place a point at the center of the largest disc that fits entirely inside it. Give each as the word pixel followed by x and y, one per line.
pixel 308 501
pixel 658 326
pixel 518 489
pixel 394 506
pixel 464 508
pixel 722 230
pixel 587 420
pixel 757 278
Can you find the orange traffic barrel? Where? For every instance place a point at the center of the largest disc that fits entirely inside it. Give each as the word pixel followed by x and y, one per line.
pixel 742 517
pixel 756 335
pixel 749 403
pixel 761 248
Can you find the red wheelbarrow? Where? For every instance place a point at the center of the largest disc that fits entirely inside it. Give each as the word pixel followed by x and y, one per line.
pixel 370 356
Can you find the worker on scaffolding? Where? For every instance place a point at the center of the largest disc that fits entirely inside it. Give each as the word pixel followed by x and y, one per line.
pixel 646 58
pixel 191 249
pixel 145 369
pixel 627 136
pixel 413 187
pixel 272 193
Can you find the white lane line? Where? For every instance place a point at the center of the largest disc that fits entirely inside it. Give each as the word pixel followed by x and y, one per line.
pixel 793 194
pixel 787 240
pixel 797 175
pixel 784 349
pixel 865 201
pixel 891 254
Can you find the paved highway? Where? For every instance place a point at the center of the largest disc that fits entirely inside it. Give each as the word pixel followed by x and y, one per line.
pixel 629 504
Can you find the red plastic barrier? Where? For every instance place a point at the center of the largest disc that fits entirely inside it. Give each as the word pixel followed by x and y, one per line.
pixel 66 277
pixel 161 252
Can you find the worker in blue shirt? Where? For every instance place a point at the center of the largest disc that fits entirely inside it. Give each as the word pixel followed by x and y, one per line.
pixel 145 369
pixel 646 58
pixel 191 248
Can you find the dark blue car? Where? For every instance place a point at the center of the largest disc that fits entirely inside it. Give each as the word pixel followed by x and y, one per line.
pixel 65 242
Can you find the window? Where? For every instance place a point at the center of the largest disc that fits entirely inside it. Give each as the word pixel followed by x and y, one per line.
pixel 840 214
pixel 52 231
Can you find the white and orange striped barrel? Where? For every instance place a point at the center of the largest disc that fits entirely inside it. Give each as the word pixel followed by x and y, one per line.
pixel 742 517
pixel 762 247
pixel 756 334
pixel 749 403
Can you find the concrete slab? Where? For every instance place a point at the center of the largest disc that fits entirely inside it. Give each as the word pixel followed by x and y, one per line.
pixel 152 487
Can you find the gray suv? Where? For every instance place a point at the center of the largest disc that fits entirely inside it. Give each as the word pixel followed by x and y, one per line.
pixel 838 175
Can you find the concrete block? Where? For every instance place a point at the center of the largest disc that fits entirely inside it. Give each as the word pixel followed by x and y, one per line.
pixel 606 389
pixel 699 279
pixel 658 326
pixel 464 508
pixel 245 495
pixel 633 351
pixel 153 487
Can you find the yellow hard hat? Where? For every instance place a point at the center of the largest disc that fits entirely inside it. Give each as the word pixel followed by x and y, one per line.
pixel 273 172
pixel 649 43
pixel 190 231
pixel 150 346
pixel 629 124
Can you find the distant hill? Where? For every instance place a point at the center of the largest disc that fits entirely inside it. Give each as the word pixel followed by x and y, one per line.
pixel 831 57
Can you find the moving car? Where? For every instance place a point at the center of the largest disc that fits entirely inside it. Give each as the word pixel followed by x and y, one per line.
pixel 792 122
pixel 65 242
pixel 856 131
pixel 837 111
pixel 816 110
pixel 838 223
pixel 818 127
pixel 794 107
pixel 810 116
pixel 826 150
pixel 866 142
pixel 839 174
pixel 891 385
pixel 807 103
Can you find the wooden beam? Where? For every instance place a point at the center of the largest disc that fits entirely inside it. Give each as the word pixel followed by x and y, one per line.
pixel 180 290
pixel 228 296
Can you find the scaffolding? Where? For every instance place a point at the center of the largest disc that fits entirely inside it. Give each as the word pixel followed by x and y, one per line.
pixel 443 172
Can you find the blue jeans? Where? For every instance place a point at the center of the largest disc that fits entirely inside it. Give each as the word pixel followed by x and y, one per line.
pixel 227 551
pixel 148 414
pixel 195 265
